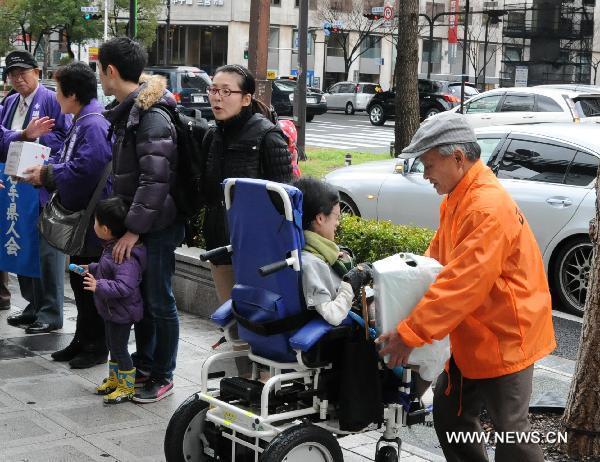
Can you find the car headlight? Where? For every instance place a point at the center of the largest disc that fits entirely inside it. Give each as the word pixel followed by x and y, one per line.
pixel 292 97
pixel 323 99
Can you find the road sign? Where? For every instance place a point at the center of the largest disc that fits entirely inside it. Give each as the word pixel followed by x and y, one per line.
pixel 271 74
pixel 388 12
pixel 377 10
pixel 521 75
pixel 89 9
pixel 93 54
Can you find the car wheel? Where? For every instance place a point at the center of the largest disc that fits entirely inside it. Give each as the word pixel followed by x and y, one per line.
pixel 349 108
pixel 348 206
pixel 376 115
pixel 310 117
pixel 432 111
pixel 570 274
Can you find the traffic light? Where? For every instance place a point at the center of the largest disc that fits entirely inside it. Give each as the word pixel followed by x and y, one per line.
pixel 92 16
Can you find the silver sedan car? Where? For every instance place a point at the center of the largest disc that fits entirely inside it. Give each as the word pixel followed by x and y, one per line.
pixel 550 171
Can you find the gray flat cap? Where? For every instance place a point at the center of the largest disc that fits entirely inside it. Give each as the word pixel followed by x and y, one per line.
pixel 446 128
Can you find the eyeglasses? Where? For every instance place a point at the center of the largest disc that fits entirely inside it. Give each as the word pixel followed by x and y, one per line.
pixel 14 75
pixel 224 92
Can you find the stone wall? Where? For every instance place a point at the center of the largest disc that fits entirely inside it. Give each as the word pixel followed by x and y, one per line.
pixel 192 284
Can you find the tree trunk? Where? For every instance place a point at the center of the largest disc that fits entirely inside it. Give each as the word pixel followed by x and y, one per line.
pixel 582 414
pixel 406 74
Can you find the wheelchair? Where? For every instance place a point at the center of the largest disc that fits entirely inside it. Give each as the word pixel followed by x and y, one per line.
pixel 289 417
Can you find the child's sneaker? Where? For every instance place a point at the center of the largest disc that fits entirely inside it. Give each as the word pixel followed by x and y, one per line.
pixel 110 383
pixel 154 390
pixel 141 378
pixel 125 388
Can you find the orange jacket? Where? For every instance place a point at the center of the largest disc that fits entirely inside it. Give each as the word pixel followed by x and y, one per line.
pixel 492 295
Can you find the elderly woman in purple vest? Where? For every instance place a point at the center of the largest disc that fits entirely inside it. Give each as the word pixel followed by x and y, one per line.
pixel 74 175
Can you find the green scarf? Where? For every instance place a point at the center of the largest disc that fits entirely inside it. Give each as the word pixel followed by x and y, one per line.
pixel 329 252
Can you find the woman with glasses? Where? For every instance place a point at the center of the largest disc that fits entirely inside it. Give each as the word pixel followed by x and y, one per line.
pixel 244 144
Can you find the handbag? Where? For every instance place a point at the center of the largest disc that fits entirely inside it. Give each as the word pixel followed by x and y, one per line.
pixel 66 230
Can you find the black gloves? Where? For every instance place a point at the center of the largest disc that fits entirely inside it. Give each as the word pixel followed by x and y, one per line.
pixel 360 275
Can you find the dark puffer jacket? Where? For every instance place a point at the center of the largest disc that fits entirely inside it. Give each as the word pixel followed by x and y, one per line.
pixel 145 156
pixel 247 146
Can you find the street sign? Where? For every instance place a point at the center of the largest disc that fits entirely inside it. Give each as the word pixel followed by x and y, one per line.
pixel 271 74
pixel 388 12
pixel 377 10
pixel 89 9
pixel 92 54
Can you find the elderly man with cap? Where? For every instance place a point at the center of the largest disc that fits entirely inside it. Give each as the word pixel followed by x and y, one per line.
pixel 491 297
pixel 32 100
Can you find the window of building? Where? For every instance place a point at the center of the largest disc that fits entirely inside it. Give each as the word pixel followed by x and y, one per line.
pixel 296 42
pixel 371 47
pixel 273 59
pixel 461 17
pixel 434 8
pixel 484 104
pixel 518 103
pixel 512 54
pixel 583 169
pixel 436 56
pixel 335 44
pixel 529 160
pixel 275 2
pixel 312 4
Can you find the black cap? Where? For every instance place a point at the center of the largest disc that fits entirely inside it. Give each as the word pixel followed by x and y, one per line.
pixel 20 58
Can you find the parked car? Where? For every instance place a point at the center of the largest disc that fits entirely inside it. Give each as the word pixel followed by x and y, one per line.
pixel 532 105
pixel 549 169
pixel 351 96
pixel 105 100
pixel 282 99
pixel 188 85
pixel 435 96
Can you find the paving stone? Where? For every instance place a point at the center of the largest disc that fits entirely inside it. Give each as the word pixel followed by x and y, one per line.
pixel 141 444
pixel 26 428
pixel 43 343
pixel 20 368
pixel 46 390
pixel 90 415
pixel 63 450
pixel 166 407
pixel 9 350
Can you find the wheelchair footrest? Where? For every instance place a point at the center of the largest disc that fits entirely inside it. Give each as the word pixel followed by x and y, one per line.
pixel 417 414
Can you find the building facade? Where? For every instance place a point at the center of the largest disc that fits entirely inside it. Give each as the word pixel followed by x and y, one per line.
pixel 210 33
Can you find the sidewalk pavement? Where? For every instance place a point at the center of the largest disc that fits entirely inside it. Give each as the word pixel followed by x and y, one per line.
pixel 49 412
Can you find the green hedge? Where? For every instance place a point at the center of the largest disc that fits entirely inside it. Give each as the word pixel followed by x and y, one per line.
pixel 369 240
pixel 372 240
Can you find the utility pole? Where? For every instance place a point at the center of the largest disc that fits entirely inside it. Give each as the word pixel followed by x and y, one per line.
pixel 132 19
pixel 167 34
pixel 105 20
pixel 258 48
pixel 300 93
pixel 464 58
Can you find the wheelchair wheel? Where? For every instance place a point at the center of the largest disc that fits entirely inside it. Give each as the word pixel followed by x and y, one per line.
pixel 185 432
pixel 303 443
pixel 386 454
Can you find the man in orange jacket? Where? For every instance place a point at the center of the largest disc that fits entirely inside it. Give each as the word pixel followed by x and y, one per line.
pixel 491 297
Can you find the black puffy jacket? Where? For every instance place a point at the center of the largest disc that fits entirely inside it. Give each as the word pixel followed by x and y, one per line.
pixel 247 146
pixel 145 157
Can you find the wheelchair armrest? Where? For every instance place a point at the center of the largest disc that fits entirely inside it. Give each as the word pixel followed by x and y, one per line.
pixel 223 315
pixel 307 336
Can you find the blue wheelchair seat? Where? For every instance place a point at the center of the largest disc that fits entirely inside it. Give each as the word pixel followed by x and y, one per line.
pixel 265 227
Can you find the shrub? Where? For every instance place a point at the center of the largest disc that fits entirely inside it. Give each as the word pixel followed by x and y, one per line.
pixel 372 240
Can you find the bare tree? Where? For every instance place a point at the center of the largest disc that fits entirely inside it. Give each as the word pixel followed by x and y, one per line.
pixel 406 74
pixel 476 38
pixel 595 63
pixel 582 414
pixel 350 14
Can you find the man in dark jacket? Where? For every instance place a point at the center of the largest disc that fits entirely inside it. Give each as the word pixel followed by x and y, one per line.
pixel 44 294
pixel 144 166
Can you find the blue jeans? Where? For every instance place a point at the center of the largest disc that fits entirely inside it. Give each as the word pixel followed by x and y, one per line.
pixel 157 334
pixel 46 293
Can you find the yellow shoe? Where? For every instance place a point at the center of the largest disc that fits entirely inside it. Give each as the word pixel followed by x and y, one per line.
pixel 110 383
pixel 125 388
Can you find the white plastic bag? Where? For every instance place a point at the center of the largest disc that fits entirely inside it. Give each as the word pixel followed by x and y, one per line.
pixel 400 281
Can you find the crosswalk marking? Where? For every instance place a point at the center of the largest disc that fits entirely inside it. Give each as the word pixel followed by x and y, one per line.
pixel 334 135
